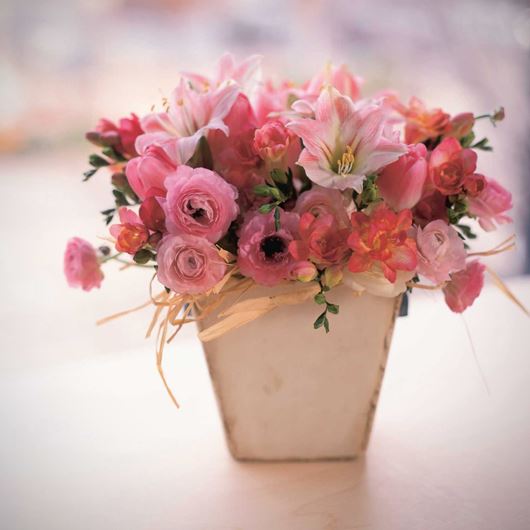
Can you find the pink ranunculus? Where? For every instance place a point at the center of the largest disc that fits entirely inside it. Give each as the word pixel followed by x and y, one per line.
pixel 490 205
pixel 199 202
pixel 130 234
pixel 81 265
pixel 190 115
pixel 263 252
pixel 321 201
pixel 273 140
pixel 440 251
pixel 189 264
pixel 401 183
pixel 346 141
pixel 122 136
pixel 450 165
pixel 464 287
pixel 146 173
pixel 321 240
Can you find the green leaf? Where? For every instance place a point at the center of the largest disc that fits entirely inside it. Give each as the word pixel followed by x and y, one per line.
pixel 277 219
pixel 333 308
pixel 266 208
pixel 97 161
pixel 319 322
pixel 89 173
pixel 466 231
pixel 467 140
pixel 483 145
pixel 143 256
pixel 326 324
pixel 320 298
pixel 112 153
pixel 202 157
pixel 120 198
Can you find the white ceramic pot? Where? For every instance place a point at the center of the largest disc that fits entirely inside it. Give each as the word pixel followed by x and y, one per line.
pixel 289 392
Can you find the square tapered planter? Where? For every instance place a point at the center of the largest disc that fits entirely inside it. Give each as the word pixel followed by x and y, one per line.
pixel 289 392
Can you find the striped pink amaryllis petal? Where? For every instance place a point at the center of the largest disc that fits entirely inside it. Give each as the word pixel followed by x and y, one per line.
pixel 345 142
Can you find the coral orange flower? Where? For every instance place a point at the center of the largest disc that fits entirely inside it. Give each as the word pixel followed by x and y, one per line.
pixel 131 234
pixel 381 239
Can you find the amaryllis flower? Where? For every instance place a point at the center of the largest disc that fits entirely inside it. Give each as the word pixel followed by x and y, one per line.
pixel 130 234
pixel 338 77
pixel 450 165
pixel 401 183
pixel 121 137
pixel 381 239
pixel 199 202
pixel 422 123
pixel 81 265
pixel 490 205
pixel 345 142
pixel 246 73
pixel 321 240
pixel 440 251
pixel 322 201
pixel 146 173
pixel 263 251
pixel 273 101
pixel 464 287
pixel 190 115
pixel 189 264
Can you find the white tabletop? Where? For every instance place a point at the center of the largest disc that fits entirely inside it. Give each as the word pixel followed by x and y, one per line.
pixel 94 442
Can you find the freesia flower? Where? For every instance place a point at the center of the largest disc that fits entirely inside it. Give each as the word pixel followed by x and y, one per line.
pixel 490 205
pixel 190 115
pixel 461 125
pixel 422 123
pixel 152 214
pixel 431 207
pixel 321 201
pixel 321 240
pixel 199 202
pixel 81 265
pixel 345 142
pixel 146 173
pixel 381 239
pixel 263 251
pixel 121 137
pixel 189 264
pixel 464 287
pixel 440 251
pixel 273 142
pixel 130 234
pixel 450 165
pixel 401 183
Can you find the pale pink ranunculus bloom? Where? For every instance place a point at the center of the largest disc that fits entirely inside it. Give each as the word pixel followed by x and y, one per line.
pixel 146 173
pixel 131 234
pixel 190 115
pixel 263 252
pixel 199 202
pixel 401 183
pixel 440 251
pixel 81 265
pixel 321 201
pixel 345 142
pixel 189 264
pixel 464 287
pixel 490 205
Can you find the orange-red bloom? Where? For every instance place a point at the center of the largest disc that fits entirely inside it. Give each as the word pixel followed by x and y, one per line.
pixel 381 238
pixel 423 123
pixel 131 234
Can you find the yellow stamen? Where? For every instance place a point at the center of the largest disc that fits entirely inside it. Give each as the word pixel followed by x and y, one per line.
pixel 345 163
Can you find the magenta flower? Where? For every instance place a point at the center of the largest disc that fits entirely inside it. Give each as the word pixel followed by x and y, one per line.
pixel 81 265
pixel 401 183
pixel 464 287
pixel 440 251
pixel 264 251
pixel 189 264
pixel 191 114
pixel 491 205
pixel 199 202
pixel 346 141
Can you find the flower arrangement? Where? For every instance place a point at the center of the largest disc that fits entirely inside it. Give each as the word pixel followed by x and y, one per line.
pixel 238 181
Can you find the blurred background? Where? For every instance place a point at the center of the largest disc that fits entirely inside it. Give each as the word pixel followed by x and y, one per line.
pixel 66 63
